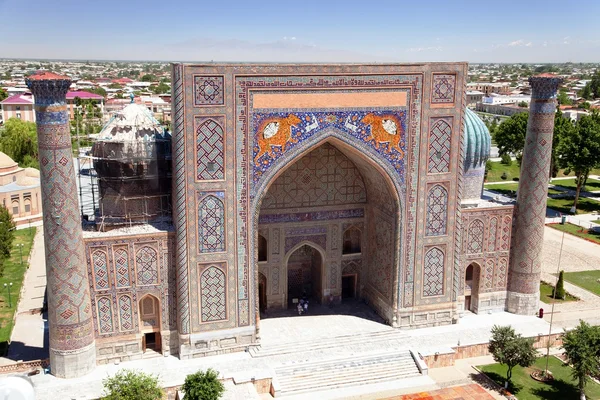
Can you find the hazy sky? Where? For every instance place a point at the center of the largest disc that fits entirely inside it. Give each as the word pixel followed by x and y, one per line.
pixel 302 30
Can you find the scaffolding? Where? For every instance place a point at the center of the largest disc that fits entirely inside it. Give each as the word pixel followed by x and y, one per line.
pixel 129 170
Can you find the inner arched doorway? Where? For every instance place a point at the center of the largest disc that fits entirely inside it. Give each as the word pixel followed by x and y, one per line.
pixel 304 275
pixel 337 198
pixel 150 323
pixel 472 273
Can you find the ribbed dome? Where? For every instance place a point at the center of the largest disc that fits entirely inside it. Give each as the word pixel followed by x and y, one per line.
pixel 478 141
pixel 6 161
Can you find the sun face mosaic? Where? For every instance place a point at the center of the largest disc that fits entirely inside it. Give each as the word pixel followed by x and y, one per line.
pixel 277 132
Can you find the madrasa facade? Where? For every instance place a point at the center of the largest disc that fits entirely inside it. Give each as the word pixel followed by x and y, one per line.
pixel 337 182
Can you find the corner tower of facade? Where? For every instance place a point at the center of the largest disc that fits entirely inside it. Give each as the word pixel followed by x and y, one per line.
pixel 72 346
pixel 530 211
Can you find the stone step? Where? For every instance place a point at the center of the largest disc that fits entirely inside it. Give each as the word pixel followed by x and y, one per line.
pixel 325 343
pixel 303 377
pixel 367 358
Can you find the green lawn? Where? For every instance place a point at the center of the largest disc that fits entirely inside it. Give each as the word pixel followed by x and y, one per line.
pixel 577 231
pixel 596 221
pixel 546 294
pixel 525 388
pixel 584 205
pixel 513 171
pixel 13 272
pixel 591 184
pixel 507 189
pixel 555 191
pixel 495 174
pixel 585 279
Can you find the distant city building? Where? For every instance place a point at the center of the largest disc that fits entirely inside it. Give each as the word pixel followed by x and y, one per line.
pixel 489 87
pixel 474 97
pixel 500 109
pixel 499 99
pixel 20 191
pixel 18 106
pixel 71 103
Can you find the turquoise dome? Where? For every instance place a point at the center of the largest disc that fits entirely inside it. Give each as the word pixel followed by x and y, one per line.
pixel 478 141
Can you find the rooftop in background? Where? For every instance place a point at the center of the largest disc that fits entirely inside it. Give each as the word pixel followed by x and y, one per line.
pixel 83 95
pixel 18 99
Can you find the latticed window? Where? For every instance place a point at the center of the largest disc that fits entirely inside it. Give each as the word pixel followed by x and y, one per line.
pixel 211 224
pixel 212 295
pixel 433 272
pixel 437 211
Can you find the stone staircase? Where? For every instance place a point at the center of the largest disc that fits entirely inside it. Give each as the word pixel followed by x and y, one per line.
pixel 361 369
pixel 342 342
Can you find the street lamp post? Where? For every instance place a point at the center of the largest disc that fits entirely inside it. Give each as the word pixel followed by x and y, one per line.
pixel 8 286
pixel 20 246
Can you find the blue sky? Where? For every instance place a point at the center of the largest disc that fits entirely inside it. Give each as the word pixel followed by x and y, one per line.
pixel 302 30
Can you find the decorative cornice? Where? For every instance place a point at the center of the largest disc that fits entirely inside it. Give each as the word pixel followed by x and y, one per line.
pixel 48 88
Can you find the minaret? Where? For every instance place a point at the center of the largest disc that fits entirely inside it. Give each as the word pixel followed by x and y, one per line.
pixel 530 211
pixel 72 346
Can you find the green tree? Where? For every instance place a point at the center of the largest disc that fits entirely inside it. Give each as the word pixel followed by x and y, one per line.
pixel 160 88
pixel 582 348
pixel 115 86
pixel 3 94
pixel 579 150
pixel 585 105
pixel 149 78
pixel 563 97
pixel 511 349
pixel 203 386
pixel 7 232
pixel 506 160
pixel 98 90
pixel 586 92
pixel 561 126
pixel 18 139
pixel 523 104
pixel 559 290
pixel 131 385
pixel 510 135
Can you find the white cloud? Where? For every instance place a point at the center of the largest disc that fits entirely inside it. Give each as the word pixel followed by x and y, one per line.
pixel 420 49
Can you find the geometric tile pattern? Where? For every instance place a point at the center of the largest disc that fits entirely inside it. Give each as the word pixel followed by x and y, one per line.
pixel 70 315
pixel 440 139
pixel 381 267
pixel 437 211
pixel 180 214
pixel 209 149
pixel 209 90
pixel 489 275
pixel 323 177
pixel 105 318
pixel 211 223
pixel 147 266
pixel 122 268
pixel 213 296
pixel 530 210
pixel 433 273
pixel 505 234
pixel 475 237
pixel 492 234
pixel 100 264
pixel 502 273
pixel 442 89
pixel 125 313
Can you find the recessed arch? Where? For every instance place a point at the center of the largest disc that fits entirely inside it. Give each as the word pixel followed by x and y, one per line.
pixel 321 270
pixel 365 158
pixel 472 281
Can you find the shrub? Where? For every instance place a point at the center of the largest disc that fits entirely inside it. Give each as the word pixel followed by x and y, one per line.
pixel 203 386
pixel 505 159
pixel 559 291
pixel 131 385
pixel 504 176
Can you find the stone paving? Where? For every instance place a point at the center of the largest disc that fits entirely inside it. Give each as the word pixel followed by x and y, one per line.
pixel 466 392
